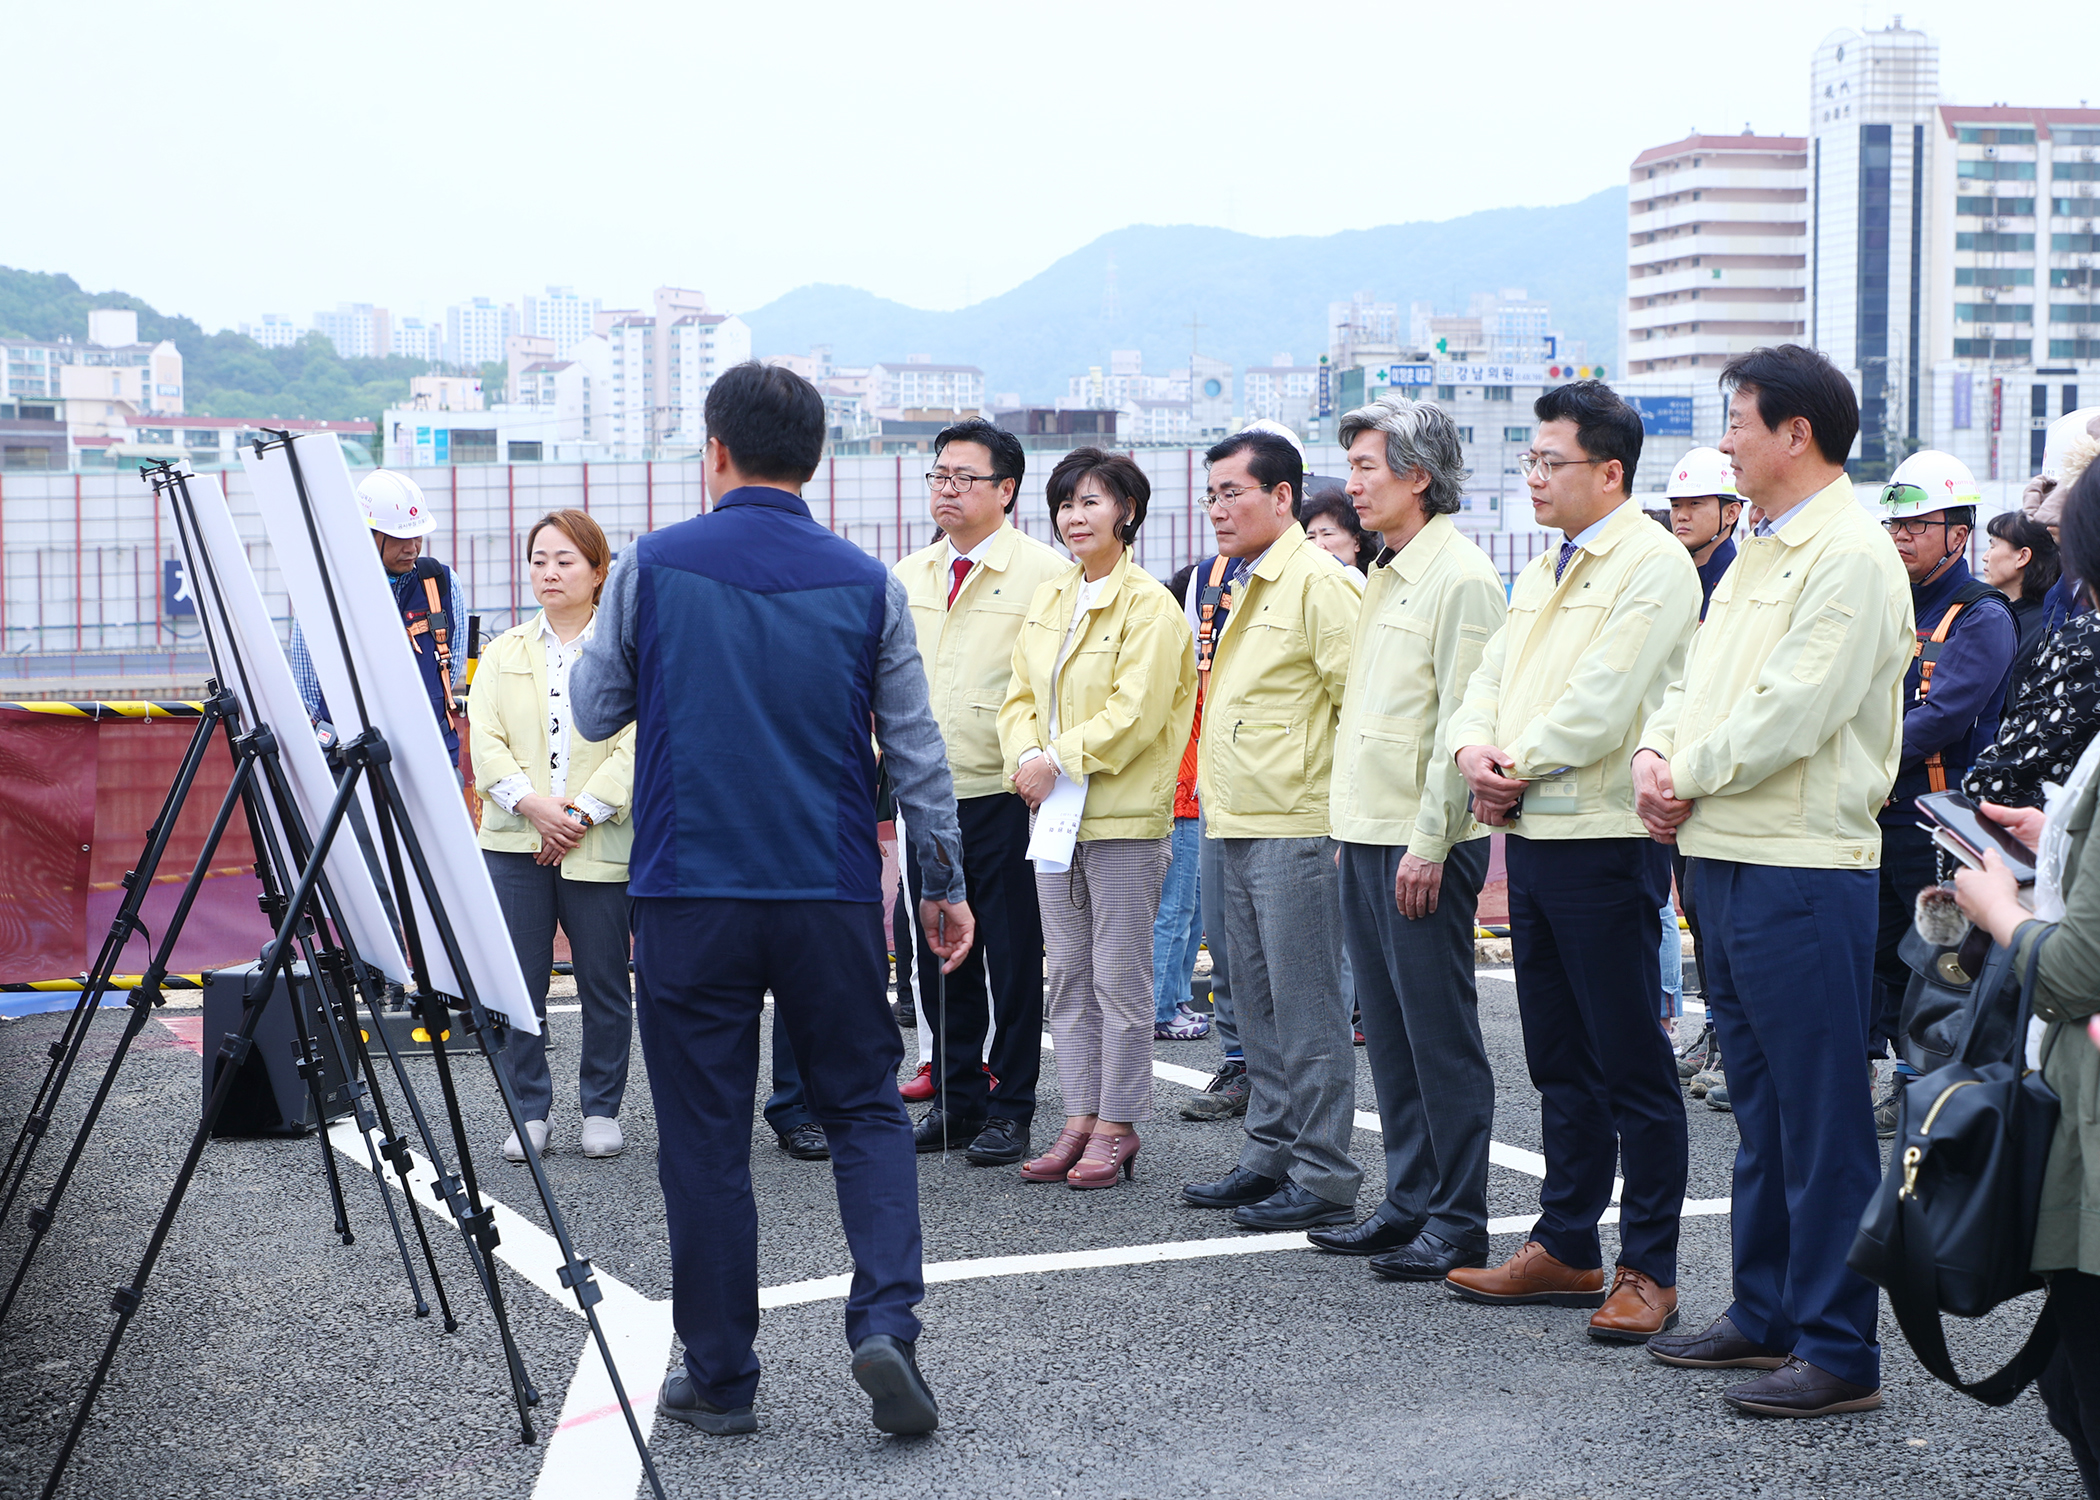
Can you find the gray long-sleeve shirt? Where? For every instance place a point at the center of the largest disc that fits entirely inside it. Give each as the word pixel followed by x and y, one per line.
pixel 602 688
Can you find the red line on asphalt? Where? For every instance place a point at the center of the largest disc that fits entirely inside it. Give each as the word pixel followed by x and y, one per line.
pixel 589 1416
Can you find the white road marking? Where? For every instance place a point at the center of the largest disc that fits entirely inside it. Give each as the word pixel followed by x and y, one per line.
pixel 589 1452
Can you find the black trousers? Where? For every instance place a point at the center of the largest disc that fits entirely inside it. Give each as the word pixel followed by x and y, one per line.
pixel 1909 863
pixel 1585 923
pixel 2070 1384
pixel 1688 904
pixel 1001 981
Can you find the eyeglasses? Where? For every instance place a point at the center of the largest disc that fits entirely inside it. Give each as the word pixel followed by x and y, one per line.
pixel 960 483
pixel 1911 527
pixel 1529 464
pixel 1232 492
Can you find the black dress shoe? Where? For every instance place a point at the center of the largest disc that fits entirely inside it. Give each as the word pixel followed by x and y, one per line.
pixel 1798 1389
pixel 887 1368
pixel 1372 1237
pixel 681 1399
pixel 1230 1191
pixel 806 1143
pixel 936 1132
pixel 1717 1346
pixel 1430 1257
pixel 1292 1207
pixel 1002 1143
pixel 907 1019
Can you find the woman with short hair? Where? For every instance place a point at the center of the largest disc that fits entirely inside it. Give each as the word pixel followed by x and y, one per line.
pixel 1331 522
pixel 554 829
pixel 1103 693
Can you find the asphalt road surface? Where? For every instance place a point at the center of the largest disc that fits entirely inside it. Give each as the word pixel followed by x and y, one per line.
pixel 270 1360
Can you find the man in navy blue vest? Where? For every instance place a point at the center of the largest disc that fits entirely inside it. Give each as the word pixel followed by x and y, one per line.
pixel 425 591
pixel 753 649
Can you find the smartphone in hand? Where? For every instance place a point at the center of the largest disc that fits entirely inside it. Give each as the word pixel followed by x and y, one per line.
pixel 1958 825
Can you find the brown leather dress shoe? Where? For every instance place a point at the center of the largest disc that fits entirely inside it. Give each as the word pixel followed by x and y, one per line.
pixel 1636 1310
pixel 1531 1275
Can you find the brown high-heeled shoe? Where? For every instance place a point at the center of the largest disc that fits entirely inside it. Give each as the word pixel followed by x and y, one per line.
pixel 1062 1156
pixel 1107 1158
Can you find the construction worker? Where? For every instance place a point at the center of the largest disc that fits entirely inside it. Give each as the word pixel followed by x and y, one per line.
pixel 1952 697
pixel 1704 508
pixel 425 591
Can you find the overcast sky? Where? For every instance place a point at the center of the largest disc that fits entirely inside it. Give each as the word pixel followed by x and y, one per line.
pixel 934 153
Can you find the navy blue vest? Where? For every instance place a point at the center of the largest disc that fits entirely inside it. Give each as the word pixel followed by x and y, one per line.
pixel 414 603
pixel 756 633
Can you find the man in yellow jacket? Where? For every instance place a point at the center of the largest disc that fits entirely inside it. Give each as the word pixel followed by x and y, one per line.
pixel 1596 632
pixel 1266 754
pixel 1767 765
pixel 1413 858
pixel 969 594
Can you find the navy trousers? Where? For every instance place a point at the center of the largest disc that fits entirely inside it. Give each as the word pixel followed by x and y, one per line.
pixel 1585 924
pixel 702 968
pixel 1909 863
pixel 1790 979
pixel 785 1109
pixel 1001 979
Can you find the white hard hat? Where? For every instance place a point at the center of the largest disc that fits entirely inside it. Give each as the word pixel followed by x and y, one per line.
pixel 1277 429
pixel 394 503
pixel 1703 471
pixel 1928 481
pixel 2073 429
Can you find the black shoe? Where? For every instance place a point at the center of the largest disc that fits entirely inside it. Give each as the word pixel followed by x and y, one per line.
pixel 680 1400
pixel 936 1132
pixel 907 1018
pixel 1233 1189
pixel 888 1370
pixel 1430 1257
pixel 1717 1346
pixel 1798 1389
pixel 1002 1143
pixel 806 1143
pixel 1372 1237
pixel 1292 1207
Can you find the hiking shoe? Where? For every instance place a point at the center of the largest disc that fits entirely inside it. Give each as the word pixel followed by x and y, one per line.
pixel 1705 1081
pixel 1223 1097
pixel 1187 1026
pixel 1885 1110
pixel 1717 1098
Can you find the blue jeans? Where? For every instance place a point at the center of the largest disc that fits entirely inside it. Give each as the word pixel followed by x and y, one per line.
pixel 1179 930
pixel 1672 957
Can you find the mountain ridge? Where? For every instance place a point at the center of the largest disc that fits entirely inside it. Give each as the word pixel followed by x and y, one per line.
pixel 1255 296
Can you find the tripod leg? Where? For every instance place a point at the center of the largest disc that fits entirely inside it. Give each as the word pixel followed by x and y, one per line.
pixel 143 999
pixel 65 1052
pixel 310 1069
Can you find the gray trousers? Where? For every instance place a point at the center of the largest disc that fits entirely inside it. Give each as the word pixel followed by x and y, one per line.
pixel 1421 1025
pixel 534 898
pixel 1097 928
pixel 1280 902
pixel 1209 902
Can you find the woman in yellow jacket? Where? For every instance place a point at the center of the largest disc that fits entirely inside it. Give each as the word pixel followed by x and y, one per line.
pixel 1102 697
pixel 554 827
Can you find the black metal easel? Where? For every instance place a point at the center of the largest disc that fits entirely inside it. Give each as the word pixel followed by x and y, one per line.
pixel 308 918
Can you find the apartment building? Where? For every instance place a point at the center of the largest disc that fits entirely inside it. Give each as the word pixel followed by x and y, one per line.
pixel 357 329
pixel 916 383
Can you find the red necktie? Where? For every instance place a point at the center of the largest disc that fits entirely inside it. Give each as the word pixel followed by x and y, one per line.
pixel 961 569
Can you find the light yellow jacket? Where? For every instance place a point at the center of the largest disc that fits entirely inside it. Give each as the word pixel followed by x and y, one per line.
pixel 1569 680
pixel 1125 698
pixel 1427 615
pixel 969 650
pixel 507 713
pixel 1266 753
pixel 1786 727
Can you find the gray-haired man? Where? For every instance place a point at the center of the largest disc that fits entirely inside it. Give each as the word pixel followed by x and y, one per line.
pixel 1412 858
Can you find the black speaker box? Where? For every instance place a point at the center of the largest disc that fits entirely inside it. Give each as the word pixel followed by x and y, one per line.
pixel 269 1098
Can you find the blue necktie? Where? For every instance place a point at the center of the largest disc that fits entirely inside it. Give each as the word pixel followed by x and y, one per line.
pixel 1560 565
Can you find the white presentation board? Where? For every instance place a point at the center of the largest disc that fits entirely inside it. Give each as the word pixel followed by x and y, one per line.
pixel 393 695
pixel 270 696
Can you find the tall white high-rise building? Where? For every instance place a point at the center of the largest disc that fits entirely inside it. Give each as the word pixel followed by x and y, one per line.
pixel 416 339
pixel 475 331
pixel 274 331
pixel 558 314
pixel 1717 254
pixel 1871 103
pixel 357 329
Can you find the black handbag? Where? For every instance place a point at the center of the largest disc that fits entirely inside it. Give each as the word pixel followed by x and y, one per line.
pixel 1941 1013
pixel 1951 1229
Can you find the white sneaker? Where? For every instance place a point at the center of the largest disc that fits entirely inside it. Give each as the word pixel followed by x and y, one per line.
pixel 537 1129
pixel 601 1136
